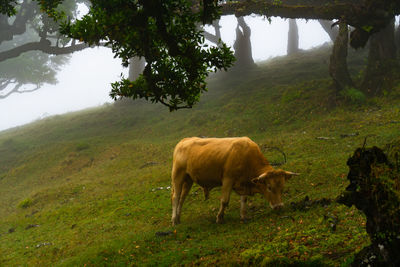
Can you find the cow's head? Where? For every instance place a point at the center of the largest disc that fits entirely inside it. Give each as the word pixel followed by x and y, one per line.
pixel 271 184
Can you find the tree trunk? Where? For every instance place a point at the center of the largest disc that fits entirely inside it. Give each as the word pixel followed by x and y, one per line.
pixel 338 60
pixel 214 38
pixel 242 45
pixel 136 67
pixel 217 28
pixel 327 26
pixel 381 62
pixel 374 189
pixel 397 36
pixel 293 38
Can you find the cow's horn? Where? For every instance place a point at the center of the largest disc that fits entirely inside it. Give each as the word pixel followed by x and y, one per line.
pixel 262 176
pixel 293 173
pixel 259 178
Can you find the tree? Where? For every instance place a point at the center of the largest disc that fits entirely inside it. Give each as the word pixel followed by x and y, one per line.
pixel 214 38
pixel 382 64
pixel 242 45
pixel 136 64
pixel 331 29
pixel 338 60
pixel 165 33
pixel 397 38
pixel 28 42
pixel 293 38
pixel 366 16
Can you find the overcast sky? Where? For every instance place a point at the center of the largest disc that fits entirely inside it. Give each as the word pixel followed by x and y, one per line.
pixel 85 81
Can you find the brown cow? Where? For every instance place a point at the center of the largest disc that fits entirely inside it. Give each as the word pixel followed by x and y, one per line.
pixel 233 163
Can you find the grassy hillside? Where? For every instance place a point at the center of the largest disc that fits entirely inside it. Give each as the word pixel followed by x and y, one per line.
pixel 90 188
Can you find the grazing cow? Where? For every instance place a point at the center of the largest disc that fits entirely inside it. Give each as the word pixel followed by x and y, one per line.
pixel 233 163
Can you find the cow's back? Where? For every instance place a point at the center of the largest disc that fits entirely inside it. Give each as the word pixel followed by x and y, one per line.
pixel 208 160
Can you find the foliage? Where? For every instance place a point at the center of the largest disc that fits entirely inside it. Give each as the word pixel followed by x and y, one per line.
pixel 166 34
pixel 7 7
pixel 353 95
pixel 26 203
pixel 82 146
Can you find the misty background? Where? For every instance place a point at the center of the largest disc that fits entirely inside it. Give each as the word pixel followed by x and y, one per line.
pixel 85 81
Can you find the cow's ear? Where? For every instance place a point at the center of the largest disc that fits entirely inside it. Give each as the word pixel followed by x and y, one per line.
pixel 289 175
pixel 260 179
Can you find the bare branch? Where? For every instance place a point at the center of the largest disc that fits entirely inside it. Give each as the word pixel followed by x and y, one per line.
pixel 330 29
pixel 349 10
pixel 4 84
pixel 211 37
pixel 358 14
pixel 14 90
pixel 171 107
pixel 44 46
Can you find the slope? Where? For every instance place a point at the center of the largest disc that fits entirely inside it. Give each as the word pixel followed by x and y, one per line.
pixel 92 187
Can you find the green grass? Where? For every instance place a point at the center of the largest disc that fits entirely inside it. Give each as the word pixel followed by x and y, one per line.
pixel 77 189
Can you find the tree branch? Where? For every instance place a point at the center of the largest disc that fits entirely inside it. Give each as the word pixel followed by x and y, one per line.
pixel 14 90
pixel 211 37
pixel 373 14
pixel 291 9
pixel 7 31
pixel 44 46
pixel 331 31
pixel 5 83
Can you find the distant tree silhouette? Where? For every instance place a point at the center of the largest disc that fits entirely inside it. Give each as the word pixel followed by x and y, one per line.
pixel 242 45
pixel 29 43
pixel 397 36
pixel 382 64
pixel 293 38
pixel 330 29
pixel 338 60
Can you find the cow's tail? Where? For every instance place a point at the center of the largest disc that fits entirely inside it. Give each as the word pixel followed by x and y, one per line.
pixel 172 192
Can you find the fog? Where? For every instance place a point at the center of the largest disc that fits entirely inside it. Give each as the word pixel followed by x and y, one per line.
pixel 85 81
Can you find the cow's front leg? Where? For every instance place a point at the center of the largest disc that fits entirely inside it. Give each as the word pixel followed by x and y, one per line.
pixel 243 200
pixel 226 193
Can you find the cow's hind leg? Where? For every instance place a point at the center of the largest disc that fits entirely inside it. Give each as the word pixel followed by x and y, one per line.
pixel 187 185
pixel 178 179
pixel 226 193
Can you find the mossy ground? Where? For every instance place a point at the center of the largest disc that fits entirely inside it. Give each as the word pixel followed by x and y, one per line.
pixel 76 189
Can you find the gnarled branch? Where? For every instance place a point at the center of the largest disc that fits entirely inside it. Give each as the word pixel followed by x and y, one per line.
pixel 375 14
pixel 44 46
